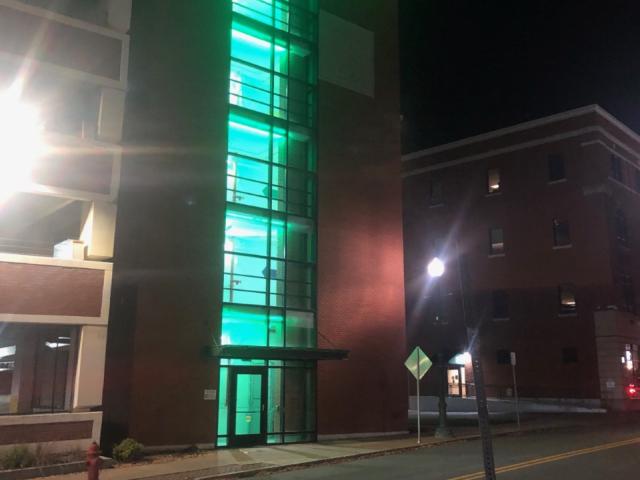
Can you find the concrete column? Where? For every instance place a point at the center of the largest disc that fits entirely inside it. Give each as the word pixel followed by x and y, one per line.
pixel 90 368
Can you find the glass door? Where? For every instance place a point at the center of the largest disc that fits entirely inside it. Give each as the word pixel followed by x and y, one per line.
pixel 247 412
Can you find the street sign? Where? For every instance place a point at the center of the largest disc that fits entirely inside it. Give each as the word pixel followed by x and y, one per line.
pixel 418 363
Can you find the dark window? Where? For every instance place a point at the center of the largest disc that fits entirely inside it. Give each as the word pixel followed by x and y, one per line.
pixel 567 298
pixel 561 235
pixel 493 180
pixel 638 181
pixel 435 192
pixel 503 357
pixel 496 241
pixel 616 167
pixel 500 304
pixel 556 167
pixel 622 233
pixel 628 294
pixel 569 355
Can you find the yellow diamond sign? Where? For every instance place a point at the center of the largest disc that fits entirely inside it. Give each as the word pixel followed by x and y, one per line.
pixel 418 363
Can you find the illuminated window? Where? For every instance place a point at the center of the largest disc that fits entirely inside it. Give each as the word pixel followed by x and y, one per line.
pixel 567 297
pixel 493 180
pixel 561 237
pixel 496 241
pixel 556 167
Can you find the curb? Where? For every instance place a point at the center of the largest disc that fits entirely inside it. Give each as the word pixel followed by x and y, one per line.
pixel 358 456
pixel 51 470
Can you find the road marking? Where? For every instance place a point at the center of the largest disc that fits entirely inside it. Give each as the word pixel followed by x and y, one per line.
pixel 550 458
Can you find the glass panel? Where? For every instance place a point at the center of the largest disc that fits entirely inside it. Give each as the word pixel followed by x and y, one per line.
pixel 259 10
pixel 223 406
pixel 276 328
pixel 249 140
pixel 245 279
pixel 247 182
pixel 493 180
pixel 274 405
pixel 300 152
pixel 37 365
pixel 251 46
pixel 246 233
pixel 248 404
pixel 300 240
pixel 299 398
pixel 300 329
pixel 496 241
pixel 244 326
pixel 567 299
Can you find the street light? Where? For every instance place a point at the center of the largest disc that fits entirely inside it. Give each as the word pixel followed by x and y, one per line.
pixel 21 141
pixel 435 269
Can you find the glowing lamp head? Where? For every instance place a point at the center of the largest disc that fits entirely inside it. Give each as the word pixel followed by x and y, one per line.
pixel 632 391
pixel 466 358
pixel 21 141
pixel 435 268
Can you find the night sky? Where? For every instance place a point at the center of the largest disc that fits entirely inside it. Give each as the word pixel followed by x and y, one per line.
pixel 470 66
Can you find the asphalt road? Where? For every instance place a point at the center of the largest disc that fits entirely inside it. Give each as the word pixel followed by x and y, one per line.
pixel 598 452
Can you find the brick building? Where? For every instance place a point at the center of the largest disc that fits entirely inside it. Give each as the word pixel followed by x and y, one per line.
pixel 538 226
pixel 63 76
pixel 258 285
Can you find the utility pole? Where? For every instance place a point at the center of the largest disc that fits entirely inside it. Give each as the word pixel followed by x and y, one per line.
pixel 481 394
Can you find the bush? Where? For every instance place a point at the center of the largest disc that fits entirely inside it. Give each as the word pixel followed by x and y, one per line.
pixel 17 457
pixel 128 450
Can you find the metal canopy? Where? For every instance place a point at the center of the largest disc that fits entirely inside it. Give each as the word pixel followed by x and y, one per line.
pixel 277 353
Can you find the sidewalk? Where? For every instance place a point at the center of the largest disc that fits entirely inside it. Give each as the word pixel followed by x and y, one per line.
pixel 226 463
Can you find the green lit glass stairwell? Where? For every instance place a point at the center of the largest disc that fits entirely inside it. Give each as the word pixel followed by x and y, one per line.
pixel 270 221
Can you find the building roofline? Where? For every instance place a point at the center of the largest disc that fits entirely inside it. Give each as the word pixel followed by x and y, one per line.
pixel 576 112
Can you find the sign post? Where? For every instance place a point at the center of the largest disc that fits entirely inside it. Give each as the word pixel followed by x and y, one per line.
pixel 515 387
pixel 418 364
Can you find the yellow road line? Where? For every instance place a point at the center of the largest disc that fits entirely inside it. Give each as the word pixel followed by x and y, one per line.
pixel 550 458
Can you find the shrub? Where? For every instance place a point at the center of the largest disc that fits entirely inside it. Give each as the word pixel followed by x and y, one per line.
pixel 18 456
pixel 128 450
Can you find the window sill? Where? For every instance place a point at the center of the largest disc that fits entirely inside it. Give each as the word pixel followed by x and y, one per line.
pixel 554 182
pixel 436 205
pixel 496 255
pixel 573 314
pixel 493 194
pixel 562 247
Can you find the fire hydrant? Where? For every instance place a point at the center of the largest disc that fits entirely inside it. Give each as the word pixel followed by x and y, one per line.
pixel 93 462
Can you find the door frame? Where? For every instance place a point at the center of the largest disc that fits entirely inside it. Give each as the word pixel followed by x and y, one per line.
pixel 247 440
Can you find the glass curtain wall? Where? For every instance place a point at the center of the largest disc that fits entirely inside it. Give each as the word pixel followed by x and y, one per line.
pixel 270 228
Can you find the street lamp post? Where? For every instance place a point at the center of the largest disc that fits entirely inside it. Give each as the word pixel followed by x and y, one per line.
pixel 435 269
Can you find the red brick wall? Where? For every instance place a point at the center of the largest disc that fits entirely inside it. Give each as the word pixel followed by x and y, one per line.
pixel 50 290
pixel 360 280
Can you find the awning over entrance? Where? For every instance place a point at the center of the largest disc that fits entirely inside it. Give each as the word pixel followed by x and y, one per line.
pixel 277 353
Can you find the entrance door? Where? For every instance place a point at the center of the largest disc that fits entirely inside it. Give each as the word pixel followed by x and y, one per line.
pixel 455 380
pixel 247 406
